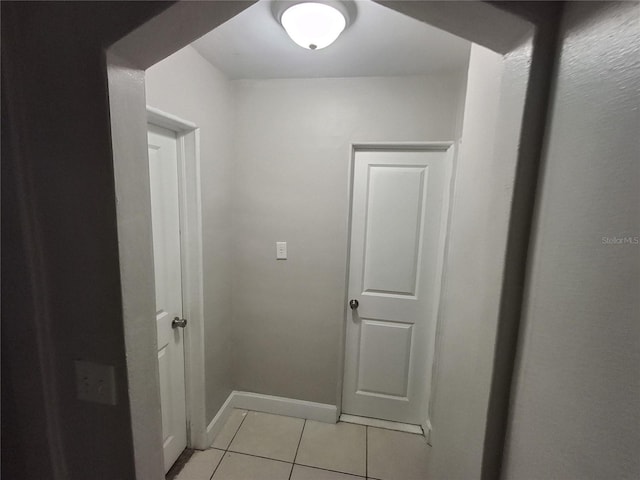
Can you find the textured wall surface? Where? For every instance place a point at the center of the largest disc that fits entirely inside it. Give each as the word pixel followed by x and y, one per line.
pixel 577 394
pixel 290 183
pixel 66 268
pixel 471 288
pixel 189 87
pixel 576 402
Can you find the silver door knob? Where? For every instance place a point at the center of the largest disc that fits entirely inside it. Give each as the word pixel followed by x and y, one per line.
pixel 179 322
pixel 354 304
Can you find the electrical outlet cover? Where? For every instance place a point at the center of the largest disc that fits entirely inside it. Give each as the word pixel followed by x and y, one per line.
pixel 95 382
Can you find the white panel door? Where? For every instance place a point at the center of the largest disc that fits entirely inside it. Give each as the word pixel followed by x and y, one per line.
pixel 165 215
pixel 394 276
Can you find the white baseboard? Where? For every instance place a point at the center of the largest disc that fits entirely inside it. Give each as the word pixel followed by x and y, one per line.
pixel 320 412
pixel 219 420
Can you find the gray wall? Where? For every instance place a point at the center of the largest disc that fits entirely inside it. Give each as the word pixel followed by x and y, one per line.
pixel 288 144
pixel 580 347
pixel 290 163
pixel 64 301
pixel 576 405
pixel 472 270
pixel 189 87
pixel 290 183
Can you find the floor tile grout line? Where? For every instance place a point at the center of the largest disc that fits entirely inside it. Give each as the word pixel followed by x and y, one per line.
pixel 260 456
pixel 293 464
pixel 329 470
pixel 301 464
pixel 218 465
pixel 232 439
pixel 298 447
pixel 237 430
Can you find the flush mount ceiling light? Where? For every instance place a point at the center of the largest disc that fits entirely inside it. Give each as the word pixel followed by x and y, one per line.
pixel 313 25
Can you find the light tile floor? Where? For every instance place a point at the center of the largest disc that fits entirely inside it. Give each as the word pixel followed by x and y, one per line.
pixel 262 446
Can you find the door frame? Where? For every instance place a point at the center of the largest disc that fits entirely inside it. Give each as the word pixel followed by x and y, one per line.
pixel 190 208
pixel 524 36
pixel 450 147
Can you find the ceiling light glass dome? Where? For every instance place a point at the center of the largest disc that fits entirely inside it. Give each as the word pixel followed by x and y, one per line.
pixel 313 25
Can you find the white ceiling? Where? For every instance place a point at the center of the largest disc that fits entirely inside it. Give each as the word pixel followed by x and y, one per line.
pixel 380 42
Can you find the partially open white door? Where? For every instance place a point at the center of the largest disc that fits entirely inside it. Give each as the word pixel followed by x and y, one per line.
pixel 165 215
pixel 394 276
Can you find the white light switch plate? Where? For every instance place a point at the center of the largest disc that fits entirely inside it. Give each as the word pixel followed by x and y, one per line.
pixel 96 382
pixel 281 250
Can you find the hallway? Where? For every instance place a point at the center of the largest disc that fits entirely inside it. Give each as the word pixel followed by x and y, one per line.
pixel 537 339
pixel 260 445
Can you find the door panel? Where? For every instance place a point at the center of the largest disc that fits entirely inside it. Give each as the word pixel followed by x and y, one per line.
pixel 395 245
pixel 165 391
pixel 384 358
pixel 165 218
pixel 392 238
